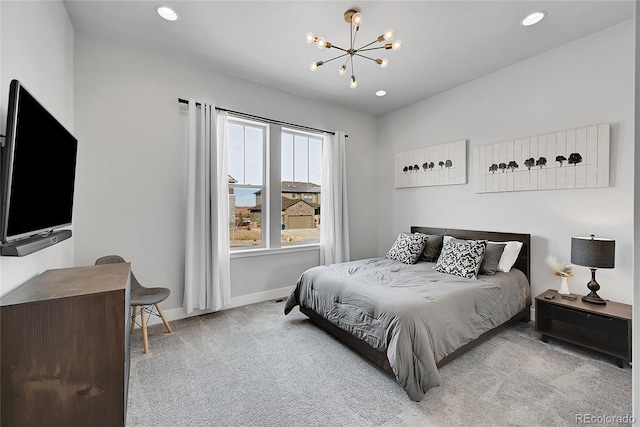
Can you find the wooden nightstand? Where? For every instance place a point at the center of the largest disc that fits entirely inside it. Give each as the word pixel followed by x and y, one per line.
pixel 605 328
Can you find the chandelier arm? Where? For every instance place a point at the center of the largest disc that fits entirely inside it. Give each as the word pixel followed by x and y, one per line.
pixel 353 39
pixel 367 45
pixel 366 57
pixel 339 48
pixel 336 57
pixel 371 48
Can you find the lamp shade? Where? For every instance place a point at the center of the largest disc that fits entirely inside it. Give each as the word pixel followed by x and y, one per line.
pixel 593 252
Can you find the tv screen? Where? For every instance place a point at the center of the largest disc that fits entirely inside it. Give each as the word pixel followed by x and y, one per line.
pixel 38 169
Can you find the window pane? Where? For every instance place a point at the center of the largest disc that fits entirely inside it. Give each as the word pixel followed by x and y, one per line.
pixel 246 229
pixel 254 138
pixel 235 135
pixel 315 161
pixel 301 159
pixel 287 157
pixel 246 167
pixel 300 194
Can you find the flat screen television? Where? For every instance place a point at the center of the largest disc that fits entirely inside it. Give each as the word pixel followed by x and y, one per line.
pixel 38 169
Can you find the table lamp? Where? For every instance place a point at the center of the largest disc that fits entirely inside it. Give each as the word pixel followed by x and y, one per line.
pixel 594 253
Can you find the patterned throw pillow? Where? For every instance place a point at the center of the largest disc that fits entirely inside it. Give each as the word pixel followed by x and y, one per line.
pixel 461 257
pixel 407 248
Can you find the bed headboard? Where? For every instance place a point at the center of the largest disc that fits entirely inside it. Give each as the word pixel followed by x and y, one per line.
pixel 522 263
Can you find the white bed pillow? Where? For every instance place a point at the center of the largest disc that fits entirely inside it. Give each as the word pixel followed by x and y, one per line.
pixel 509 255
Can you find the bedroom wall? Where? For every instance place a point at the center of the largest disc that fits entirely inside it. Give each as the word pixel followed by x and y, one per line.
pixel 36 47
pixel 131 174
pixel 586 82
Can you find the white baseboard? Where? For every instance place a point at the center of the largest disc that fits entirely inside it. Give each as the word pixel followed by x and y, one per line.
pixel 180 313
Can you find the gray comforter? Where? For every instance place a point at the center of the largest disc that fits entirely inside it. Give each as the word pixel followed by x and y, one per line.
pixel 412 312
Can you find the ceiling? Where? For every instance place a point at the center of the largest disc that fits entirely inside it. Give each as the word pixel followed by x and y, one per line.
pixel 444 43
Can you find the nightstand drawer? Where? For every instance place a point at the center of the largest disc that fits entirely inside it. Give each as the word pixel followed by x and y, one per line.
pixel 595 322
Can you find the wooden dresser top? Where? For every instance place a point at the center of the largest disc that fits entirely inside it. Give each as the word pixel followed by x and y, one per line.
pixel 70 282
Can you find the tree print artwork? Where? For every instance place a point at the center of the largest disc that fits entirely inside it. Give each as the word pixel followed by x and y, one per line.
pixel 577 158
pixel 419 167
pixel 429 165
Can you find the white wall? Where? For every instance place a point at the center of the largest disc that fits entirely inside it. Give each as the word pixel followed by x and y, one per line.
pixel 131 164
pixel 589 81
pixel 36 47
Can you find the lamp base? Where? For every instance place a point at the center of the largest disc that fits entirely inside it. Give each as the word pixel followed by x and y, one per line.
pixel 593 298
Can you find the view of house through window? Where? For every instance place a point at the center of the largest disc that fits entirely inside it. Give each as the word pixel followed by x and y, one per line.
pixel 300 175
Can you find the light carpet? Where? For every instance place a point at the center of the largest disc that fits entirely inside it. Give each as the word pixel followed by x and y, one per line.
pixel 253 366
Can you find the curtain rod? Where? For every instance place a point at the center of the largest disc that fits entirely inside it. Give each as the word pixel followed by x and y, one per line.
pixel 262 119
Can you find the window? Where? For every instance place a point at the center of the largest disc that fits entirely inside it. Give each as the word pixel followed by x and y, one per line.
pixel 275 178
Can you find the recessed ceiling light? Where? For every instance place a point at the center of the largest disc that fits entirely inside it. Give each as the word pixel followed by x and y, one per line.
pixel 381 93
pixel 167 13
pixel 533 18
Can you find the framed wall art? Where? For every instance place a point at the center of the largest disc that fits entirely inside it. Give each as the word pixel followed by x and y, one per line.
pixel 577 158
pixel 442 164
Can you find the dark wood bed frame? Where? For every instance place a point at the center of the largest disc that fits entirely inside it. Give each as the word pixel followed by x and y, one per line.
pixel 380 358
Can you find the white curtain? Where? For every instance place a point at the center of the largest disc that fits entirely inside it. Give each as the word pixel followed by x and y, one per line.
pixel 334 234
pixel 207 266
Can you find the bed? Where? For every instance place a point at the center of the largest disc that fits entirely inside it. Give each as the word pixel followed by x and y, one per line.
pixel 411 319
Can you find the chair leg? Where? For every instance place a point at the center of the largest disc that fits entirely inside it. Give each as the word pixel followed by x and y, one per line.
pixel 145 338
pixel 166 324
pixel 134 313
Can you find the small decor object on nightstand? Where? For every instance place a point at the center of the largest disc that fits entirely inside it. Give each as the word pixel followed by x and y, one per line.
pixel 561 270
pixel 594 253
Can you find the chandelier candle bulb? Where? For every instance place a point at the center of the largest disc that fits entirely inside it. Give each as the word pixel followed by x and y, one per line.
pixel 382 62
pixel 353 83
pixel 321 42
pixel 356 19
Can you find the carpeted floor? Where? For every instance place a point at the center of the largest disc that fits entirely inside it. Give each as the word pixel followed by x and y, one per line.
pixel 253 366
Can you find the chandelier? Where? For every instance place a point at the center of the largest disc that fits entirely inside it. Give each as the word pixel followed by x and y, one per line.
pixel 354 19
